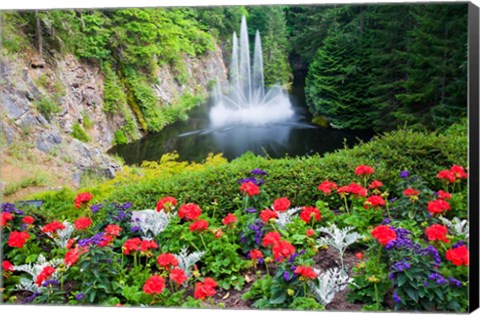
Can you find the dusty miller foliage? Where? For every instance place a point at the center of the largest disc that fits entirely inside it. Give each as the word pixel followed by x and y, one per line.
pixel 186 261
pixel 457 226
pixel 329 283
pixel 63 235
pixel 151 222
pixel 34 270
pixel 286 217
pixel 337 238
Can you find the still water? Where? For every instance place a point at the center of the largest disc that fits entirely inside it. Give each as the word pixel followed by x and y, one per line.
pixel 194 139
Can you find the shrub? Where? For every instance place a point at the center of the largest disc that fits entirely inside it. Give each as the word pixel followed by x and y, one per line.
pixel 47 108
pixel 79 133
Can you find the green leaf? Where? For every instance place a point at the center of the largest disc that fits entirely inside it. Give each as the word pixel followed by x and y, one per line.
pixel 412 293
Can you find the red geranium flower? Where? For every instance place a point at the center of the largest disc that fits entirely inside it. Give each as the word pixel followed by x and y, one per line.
pixel 363 170
pixel 53 226
pixel 458 256
pixel 305 273
pixel 18 239
pixel 217 233
pixel 166 203
pixel 205 289
pixel 189 211
pixel 282 249
pixel 200 225
pixel 167 261
pixel 178 276
pixel 5 217
pixel 268 214
pixel 106 239
pixel 46 273
pixel 210 282
pixel 255 254
pixel 154 285
pixel 271 238
pixel 229 219
pixel 310 233
pixel 354 189
pixel 308 213
pixel 83 223
pixel 327 186
pixel 7 266
pixel 458 171
pixel 250 189
pixel 384 234
pixel 409 192
pixel 28 220
pixel 70 243
pixel 131 245
pixel 82 198
pixel 375 184
pixel 438 206
pixel 113 230
pixel 281 204
pixel 447 175
pixel 444 195
pixel 71 257
pixel 146 245
pixel 359 255
pixel 437 232
pixel 374 201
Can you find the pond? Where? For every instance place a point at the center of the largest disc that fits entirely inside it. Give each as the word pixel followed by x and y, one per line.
pixel 194 139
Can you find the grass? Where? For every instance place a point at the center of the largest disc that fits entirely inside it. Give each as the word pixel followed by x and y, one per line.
pixel 34 181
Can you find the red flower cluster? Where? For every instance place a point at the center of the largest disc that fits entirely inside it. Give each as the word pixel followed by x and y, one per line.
pixel 136 244
pixel 271 238
pixel 167 261
pixel 327 187
pixel 447 175
pixel 82 223
pixel 308 213
pixel 73 255
pixel 438 206
pixel 282 249
pixel 189 211
pixel 229 219
pixel 18 239
pixel 456 172
pixel 310 233
pixel 437 232
pixel 409 192
pixel 154 285
pixel 205 289
pixel 375 184
pixel 166 204
pixel 359 255
pixel 281 204
pixel 53 226
pixel 306 273
pixel 255 254
pixel 113 230
pixel 28 220
pixel 374 201
pixel 82 198
pixel 200 225
pixel 267 214
pixel 384 234
pixel 5 217
pixel 217 233
pixel 178 276
pixel 364 170
pixel 354 189
pixel 250 189
pixel 46 273
pixel 7 266
pixel 458 256
pixel 444 195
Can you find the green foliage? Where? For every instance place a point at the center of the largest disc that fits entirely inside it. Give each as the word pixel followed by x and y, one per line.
pixel 79 133
pixel 306 304
pixel 370 283
pixel 86 121
pixel 119 137
pixel 47 107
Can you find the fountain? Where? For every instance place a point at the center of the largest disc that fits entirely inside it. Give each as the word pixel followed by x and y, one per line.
pixel 246 100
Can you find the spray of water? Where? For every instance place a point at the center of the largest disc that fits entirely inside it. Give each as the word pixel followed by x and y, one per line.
pixel 245 100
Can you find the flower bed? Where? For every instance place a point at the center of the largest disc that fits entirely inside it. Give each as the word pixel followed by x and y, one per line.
pixel 404 249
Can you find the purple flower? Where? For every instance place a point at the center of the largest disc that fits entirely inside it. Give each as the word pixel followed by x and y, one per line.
pixel 287 276
pixel 292 257
pixel 438 278
pixel 455 282
pixel 134 229
pixel 10 208
pixel 400 266
pixel 79 296
pixel 261 261
pixel 386 221
pixel 95 208
pixel 458 244
pixel 127 205
pixel 251 210
pixel 30 298
pixel 404 174
pixel 431 251
pixel 94 240
pixel 52 282
pixel 425 283
pixel 391 275
pixel 258 182
pixel 258 171
pixel 396 298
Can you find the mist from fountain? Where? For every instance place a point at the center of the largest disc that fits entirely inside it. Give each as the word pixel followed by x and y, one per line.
pixel 246 101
